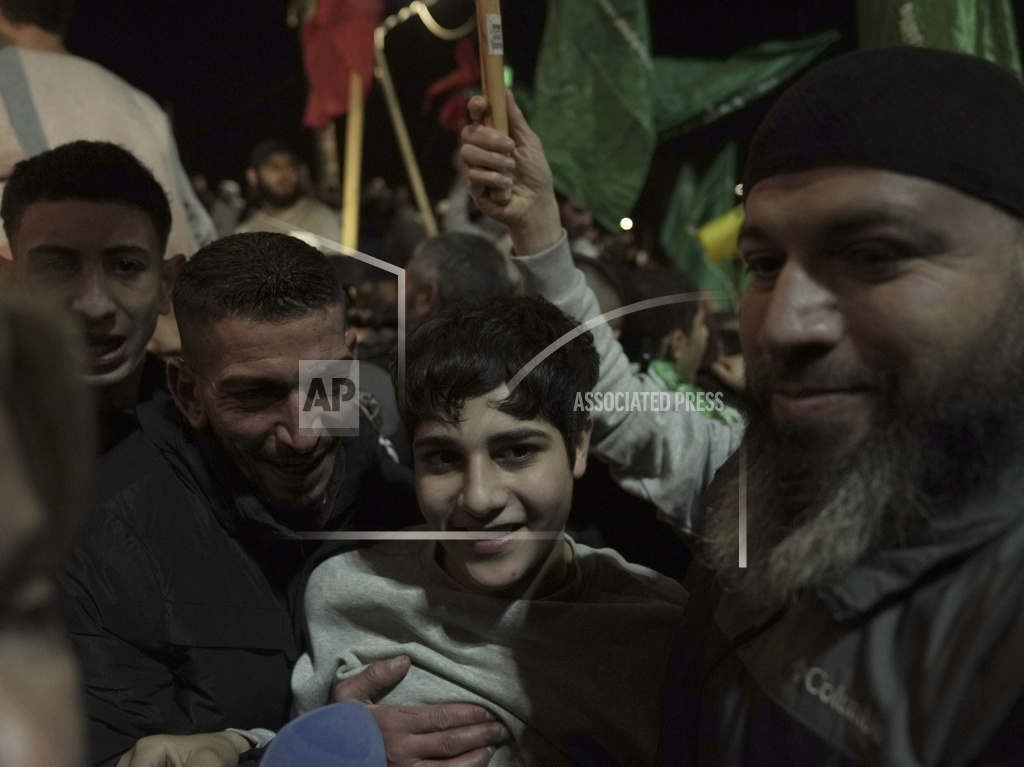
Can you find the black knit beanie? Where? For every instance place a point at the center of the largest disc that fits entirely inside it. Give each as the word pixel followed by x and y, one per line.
pixel 948 117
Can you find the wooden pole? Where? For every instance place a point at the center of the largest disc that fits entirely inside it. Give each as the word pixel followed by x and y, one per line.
pixel 492 61
pixel 353 163
pixel 328 164
pixel 419 192
pixel 492 73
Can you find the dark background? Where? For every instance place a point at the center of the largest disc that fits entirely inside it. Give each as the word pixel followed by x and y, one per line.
pixel 229 72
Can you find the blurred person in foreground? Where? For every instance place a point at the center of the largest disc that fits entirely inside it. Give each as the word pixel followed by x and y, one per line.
pixel 45 477
pixel 876 499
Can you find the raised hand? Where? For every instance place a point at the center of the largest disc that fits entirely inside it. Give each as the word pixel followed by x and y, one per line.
pixel 497 162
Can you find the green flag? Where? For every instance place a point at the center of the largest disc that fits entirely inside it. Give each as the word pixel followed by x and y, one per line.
pixel 695 203
pixel 984 28
pixel 592 102
pixel 600 100
pixel 691 93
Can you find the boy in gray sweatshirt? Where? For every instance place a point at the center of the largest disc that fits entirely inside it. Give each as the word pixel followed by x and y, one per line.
pixel 493 603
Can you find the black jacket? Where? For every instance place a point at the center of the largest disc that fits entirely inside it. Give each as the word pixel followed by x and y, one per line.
pixel 179 597
pixel 117 424
pixel 915 659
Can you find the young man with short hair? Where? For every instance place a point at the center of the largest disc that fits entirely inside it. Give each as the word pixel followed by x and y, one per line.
pixel 88 225
pixel 565 644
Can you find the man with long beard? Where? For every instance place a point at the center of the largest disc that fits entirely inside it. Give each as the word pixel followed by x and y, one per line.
pixel 875 501
pixel 274 177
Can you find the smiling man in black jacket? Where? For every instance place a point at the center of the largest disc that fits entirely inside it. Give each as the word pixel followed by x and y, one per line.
pixel 179 597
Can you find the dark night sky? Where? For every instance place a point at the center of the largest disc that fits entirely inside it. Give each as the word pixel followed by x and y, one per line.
pixel 229 71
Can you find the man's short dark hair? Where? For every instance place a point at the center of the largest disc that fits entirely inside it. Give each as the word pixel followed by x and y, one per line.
pixel 465 266
pixel 96 171
pixel 471 350
pixel 51 15
pixel 265 149
pixel 263 276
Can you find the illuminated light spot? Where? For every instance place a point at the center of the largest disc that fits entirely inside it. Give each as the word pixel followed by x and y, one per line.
pixel 626 224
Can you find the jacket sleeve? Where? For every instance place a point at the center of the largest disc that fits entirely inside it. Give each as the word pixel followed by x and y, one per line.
pixel 665 457
pixel 112 604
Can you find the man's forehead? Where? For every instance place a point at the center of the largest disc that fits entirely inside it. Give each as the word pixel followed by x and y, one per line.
pixel 854 197
pixel 281 157
pixel 86 223
pixel 236 343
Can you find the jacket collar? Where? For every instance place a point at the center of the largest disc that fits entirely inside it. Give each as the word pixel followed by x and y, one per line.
pixel 940 543
pixel 235 501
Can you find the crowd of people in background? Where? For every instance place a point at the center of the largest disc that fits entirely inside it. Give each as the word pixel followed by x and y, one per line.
pixel 620 525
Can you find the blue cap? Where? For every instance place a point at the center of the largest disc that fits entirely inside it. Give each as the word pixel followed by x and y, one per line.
pixel 339 735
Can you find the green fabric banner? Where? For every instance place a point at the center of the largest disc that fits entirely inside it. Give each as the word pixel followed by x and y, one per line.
pixel 695 203
pixel 984 28
pixel 599 99
pixel 691 93
pixel 592 102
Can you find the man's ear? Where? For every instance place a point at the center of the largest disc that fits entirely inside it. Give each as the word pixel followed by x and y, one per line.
pixel 251 178
pixel 352 342
pixel 184 385
pixel 674 338
pixel 427 300
pixel 583 448
pixel 170 267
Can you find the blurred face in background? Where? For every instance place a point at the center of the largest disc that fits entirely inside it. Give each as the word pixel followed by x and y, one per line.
pixel 277 180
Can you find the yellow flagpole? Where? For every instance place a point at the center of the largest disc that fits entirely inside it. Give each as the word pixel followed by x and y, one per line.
pixel 492 73
pixel 353 163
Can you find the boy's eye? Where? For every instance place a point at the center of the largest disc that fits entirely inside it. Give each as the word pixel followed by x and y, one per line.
pixel 518 453
pixel 439 461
